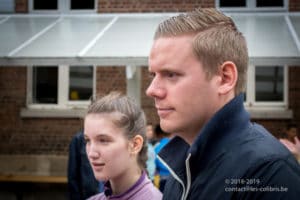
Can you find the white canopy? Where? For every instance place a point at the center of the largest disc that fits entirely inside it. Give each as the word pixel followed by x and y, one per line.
pixel 125 39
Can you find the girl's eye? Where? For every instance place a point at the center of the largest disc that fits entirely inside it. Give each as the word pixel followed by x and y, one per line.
pixel 86 141
pixel 103 140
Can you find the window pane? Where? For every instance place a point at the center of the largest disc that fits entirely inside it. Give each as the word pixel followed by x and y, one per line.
pixel 44 84
pixel 269 3
pixel 81 83
pixel 82 4
pixel 232 3
pixel 45 5
pixel 269 83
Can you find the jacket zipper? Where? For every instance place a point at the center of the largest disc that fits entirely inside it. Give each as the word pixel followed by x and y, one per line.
pixel 174 175
pixel 185 191
pixel 188 176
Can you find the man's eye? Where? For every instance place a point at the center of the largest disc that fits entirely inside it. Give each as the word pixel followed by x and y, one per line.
pixel 171 74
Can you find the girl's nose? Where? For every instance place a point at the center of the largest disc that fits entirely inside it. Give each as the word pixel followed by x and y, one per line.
pixel 92 152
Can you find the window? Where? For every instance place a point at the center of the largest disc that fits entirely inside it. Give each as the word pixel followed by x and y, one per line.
pixel 62 6
pixel 252 5
pixel 79 4
pixel 45 5
pixel 267 86
pixel 226 3
pixel 60 86
pixel 269 3
pixel 44 85
pixel 80 83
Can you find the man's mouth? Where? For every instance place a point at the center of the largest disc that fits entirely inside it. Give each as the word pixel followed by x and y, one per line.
pixel 163 112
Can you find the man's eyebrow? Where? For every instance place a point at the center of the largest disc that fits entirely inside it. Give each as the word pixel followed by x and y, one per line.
pixel 166 70
pixel 170 70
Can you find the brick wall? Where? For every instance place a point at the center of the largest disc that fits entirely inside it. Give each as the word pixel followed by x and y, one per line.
pixel 294 5
pixel 52 136
pixel 121 6
pixel 294 94
pixel 110 79
pixel 42 135
pixel 21 6
pixel 294 90
pixel 147 102
pixel 114 6
pixel 29 135
pixel 125 6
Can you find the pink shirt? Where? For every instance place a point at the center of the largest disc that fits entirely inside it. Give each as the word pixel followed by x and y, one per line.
pixel 143 189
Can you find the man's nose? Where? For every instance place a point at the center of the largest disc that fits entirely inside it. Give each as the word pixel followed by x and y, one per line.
pixel 155 89
pixel 150 90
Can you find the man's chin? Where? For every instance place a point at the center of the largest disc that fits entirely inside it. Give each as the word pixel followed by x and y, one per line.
pixel 167 126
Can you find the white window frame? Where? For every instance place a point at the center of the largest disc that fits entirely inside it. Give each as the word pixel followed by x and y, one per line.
pixel 63 8
pixel 251 6
pixel 63 91
pixel 250 102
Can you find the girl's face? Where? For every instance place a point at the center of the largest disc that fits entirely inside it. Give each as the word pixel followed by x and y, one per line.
pixel 107 147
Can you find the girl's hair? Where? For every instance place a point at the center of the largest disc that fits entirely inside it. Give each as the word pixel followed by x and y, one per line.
pixel 129 116
pixel 216 40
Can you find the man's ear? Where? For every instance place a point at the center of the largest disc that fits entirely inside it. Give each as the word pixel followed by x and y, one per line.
pixel 228 74
pixel 136 144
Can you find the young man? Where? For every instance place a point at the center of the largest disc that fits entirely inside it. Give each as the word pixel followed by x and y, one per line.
pixel 199 63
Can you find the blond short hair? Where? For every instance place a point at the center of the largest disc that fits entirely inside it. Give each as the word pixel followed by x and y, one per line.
pixel 216 40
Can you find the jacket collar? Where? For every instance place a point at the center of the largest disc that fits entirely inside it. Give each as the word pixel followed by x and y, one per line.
pixel 213 140
pixel 174 154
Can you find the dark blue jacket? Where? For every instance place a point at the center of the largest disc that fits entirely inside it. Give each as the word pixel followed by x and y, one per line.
pixel 81 181
pixel 160 168
pixel 231 158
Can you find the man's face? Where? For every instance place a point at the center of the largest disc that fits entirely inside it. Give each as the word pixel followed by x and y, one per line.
pixel 184 98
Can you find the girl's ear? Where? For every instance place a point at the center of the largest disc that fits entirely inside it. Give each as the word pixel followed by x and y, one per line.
pixel 136 144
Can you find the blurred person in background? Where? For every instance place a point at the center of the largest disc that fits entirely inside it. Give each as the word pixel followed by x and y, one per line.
pixel 82 183
pixel 290 139
pixel 151 153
